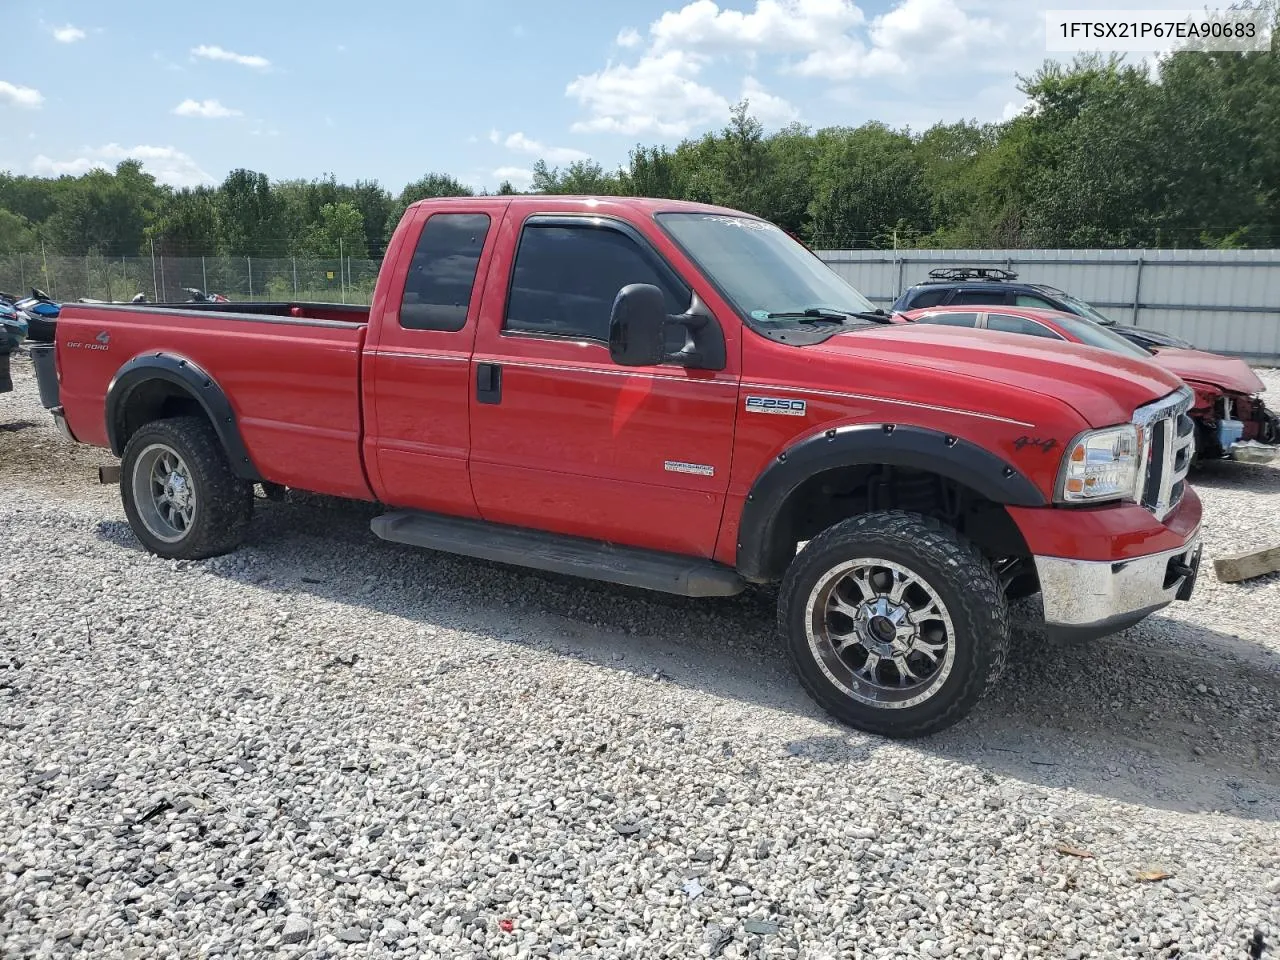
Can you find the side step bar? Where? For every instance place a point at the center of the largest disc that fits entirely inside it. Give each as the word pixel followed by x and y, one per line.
pixel 649 569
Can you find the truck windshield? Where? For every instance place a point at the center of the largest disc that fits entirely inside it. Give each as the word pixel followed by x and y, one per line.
pixel 770 277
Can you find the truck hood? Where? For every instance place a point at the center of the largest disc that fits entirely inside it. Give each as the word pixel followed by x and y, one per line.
pixel 1230 374
pixel 1103 387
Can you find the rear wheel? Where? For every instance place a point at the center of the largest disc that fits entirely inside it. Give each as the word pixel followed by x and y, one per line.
pixel 895 623
pixel 179 492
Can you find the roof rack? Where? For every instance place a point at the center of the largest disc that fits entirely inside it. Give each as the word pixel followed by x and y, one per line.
pixel 972 273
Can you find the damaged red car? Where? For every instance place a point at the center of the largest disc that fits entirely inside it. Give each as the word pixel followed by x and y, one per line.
pixel 1232 421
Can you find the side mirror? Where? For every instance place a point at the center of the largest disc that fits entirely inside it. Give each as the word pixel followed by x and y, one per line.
pixel 637 325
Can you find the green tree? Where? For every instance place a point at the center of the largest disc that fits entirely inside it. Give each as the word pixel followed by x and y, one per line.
pixel 424 188
pixel 340 229
pixel 16 235
pixel 104 212
pixel 867 186
pixel 187 224
pixel 580 178
pixel 251 218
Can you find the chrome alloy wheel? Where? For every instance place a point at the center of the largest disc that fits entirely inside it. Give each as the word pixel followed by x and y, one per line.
pixel 880 633
pixel 164 492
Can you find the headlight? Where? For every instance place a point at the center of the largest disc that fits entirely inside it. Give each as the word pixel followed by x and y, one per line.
pixel 1103 465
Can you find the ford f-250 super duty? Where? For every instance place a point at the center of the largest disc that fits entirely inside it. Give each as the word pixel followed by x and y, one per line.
pixel 671 396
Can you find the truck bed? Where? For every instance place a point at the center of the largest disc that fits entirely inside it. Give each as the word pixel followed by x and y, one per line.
pixel 291 372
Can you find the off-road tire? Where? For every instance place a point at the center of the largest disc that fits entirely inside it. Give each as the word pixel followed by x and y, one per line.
pixel 223 501
pixel 953 567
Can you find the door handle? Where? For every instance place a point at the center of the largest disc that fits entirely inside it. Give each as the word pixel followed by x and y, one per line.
pixel 488 383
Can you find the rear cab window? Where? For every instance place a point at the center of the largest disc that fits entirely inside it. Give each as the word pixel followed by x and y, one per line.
pixel 442 273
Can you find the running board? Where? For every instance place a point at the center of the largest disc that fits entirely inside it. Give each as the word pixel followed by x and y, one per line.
pixel 665 572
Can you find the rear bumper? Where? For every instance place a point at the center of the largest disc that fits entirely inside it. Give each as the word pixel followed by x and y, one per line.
pixel 60 420
pixel 1088 598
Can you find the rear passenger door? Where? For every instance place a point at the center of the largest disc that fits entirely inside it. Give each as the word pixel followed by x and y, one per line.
pixel 418 394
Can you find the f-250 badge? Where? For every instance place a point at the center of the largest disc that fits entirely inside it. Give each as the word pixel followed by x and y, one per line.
pixel 1045 446
pixel 783 406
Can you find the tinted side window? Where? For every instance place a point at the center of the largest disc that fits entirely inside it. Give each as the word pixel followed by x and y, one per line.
pixel 1001 321
pixel 1026 300
pixel 566 279
pixel 437 291
pixel 928 298
pixel 967 297
pixel 950 319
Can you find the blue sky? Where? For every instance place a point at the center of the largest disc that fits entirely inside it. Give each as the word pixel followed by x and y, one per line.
pixel 391 89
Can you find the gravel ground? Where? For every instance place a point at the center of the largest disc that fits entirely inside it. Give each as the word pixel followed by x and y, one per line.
pixel 328 746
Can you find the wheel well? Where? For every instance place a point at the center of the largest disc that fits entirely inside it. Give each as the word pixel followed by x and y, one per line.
pixel 833 495
pixel 155 400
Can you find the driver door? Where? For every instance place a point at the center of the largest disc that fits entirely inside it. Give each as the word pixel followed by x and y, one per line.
pixel 565 440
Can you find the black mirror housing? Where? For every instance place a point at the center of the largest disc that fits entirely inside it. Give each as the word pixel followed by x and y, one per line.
pixel 637 325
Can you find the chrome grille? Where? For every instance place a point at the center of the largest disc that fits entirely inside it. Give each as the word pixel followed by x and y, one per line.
pixel 1168 436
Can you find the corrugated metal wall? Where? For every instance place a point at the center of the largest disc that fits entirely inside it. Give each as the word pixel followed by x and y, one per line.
pixel 1227 301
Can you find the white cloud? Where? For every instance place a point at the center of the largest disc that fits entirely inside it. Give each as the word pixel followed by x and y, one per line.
pixel 18 96
pixel 1012 109
pixel 769 109
pixel 208 109
pixel 520 177
pixel 209 52
pixel 664 92
pixel 68 34
pixel 522 144
pixel 774 25
pixel 658 95
pixel 495 136
pixel 167 164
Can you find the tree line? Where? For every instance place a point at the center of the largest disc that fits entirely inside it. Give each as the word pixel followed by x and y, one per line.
pixel 1105 154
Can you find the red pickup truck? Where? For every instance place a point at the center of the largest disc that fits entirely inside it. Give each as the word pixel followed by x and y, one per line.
pixel 677 397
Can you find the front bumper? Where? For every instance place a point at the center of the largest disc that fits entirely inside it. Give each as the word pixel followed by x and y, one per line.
pixel 1087 598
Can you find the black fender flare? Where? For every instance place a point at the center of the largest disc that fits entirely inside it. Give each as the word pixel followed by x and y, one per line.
pixel 193 380
pixel 760 557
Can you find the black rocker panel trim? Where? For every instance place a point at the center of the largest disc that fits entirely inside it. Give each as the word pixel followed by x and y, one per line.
pixel 760 558
pixel 194 381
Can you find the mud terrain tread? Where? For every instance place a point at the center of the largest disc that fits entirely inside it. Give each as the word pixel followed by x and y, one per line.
pixel 224 501
pixel 954 566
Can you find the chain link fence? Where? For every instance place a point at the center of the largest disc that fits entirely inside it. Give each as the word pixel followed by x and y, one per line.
pixel 166 279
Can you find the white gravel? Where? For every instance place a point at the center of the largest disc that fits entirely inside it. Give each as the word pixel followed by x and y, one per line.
pixel 324 746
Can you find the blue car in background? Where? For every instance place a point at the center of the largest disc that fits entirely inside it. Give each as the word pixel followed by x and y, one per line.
pixel 13 330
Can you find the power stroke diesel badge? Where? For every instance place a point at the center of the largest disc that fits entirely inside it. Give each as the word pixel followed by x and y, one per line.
pixel 783 406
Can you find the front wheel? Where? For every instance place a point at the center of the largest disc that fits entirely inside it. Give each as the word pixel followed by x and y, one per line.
pixel 895 623
pixel 179 492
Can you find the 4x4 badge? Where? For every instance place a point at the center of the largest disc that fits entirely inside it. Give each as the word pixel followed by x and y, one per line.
pixel 784 406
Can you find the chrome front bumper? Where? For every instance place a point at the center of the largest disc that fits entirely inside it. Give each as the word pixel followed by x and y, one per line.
pixel 1084 598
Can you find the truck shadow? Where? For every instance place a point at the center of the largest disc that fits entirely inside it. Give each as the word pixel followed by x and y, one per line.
pixel 1121 718
pixel 1225 475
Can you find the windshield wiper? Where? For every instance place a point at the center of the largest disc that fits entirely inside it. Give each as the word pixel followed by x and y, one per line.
pixel 831 314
